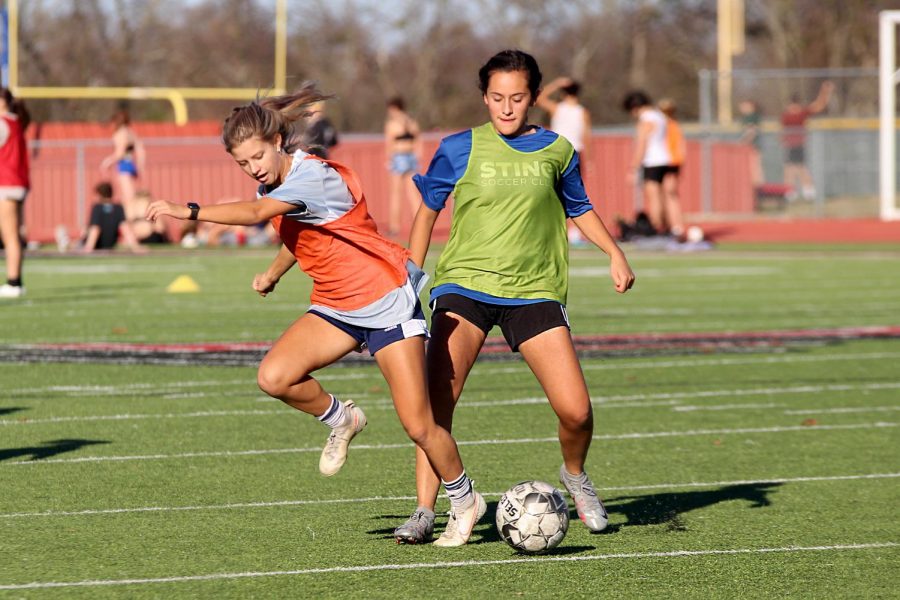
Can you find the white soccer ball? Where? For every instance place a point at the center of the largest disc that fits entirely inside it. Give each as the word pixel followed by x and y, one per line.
pixel 532 517
pixel 694 234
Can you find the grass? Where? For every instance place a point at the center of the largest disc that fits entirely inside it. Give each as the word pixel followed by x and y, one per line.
pixel 770 473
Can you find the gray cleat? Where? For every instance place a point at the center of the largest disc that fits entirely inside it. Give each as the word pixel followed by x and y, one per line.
pixel 418 529
pixel 588 505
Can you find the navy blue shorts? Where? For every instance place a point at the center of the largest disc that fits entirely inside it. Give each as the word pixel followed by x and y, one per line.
pixel 376 339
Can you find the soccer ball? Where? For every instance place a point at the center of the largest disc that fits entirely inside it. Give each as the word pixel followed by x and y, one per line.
pixel 532 517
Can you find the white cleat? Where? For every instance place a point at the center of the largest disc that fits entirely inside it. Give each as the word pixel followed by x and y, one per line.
pixel 334 455
pixel 460 525
pixel 11 291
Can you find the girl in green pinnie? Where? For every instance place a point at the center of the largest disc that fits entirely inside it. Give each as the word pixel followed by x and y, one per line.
pixel 506 263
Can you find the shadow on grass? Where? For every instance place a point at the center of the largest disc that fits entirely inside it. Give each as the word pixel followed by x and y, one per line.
pixel 48 449
pixel 8 410
pixel 668 508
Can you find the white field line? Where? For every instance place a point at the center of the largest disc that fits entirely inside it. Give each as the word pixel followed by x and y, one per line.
pixel 279 503
pixel 538 560
pixel 622 401
pixel 842 410
pixel 155 387
pixel 723 407
pixel 623 364
pixel 493 442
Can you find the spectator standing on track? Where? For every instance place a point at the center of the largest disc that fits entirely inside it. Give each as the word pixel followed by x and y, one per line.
pixel 793 123
pixel 506 263
pixel 365 291
pixel 14 185
pixel 402 145
pixel 751 130
pixel 651 157
pixel 129 158
pixel 672 178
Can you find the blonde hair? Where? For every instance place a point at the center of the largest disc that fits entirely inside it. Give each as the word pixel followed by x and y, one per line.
pixel 267 117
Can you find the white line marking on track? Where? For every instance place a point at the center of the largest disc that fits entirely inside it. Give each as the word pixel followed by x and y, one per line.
pixel 278 503
pixel 492 442
pixel 441 565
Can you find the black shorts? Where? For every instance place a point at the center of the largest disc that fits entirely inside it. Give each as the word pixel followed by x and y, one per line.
pixel 518 323
pixel 796 155
pixel 657 174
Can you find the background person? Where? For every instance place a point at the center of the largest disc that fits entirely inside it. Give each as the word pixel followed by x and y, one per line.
pixel 672 212
pixel 14 185
pixel 651 157
pixel 108 224
pixel 506 264
pixel 570 119
pixel 793 123
pixel 145 231
pixel 320 135
pixel 129 158
pixel 751 134
pixel 402 145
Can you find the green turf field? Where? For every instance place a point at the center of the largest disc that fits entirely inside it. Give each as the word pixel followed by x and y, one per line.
pixel 769 472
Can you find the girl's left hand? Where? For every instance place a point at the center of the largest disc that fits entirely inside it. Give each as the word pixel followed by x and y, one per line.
pixel 161 208
pixel 622 275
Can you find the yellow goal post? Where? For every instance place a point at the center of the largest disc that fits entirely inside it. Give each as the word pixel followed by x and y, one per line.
pixel 177 96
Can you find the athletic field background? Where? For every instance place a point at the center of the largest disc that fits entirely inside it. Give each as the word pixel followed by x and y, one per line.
pixel 746 443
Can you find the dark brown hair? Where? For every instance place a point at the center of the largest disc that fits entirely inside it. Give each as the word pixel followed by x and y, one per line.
pixel 508 61
pixel 17 107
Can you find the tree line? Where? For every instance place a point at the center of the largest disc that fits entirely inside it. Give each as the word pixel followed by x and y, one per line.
pixel 429 51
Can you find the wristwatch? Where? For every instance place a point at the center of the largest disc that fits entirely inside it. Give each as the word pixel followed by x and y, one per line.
pixel 195 208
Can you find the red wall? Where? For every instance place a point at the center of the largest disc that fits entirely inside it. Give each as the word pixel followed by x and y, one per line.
pixel 189 164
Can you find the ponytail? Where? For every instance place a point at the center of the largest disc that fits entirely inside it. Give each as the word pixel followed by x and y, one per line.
pixel 267 117
pixel 17 107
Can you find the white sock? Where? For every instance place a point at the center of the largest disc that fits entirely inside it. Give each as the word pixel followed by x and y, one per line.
pixel 460 491
pixel 335 415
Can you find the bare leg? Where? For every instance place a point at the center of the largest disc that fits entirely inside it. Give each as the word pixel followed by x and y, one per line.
pixel 394 205
pixel 653 205
pixel 672 206
pixel 284 372
pixel 127 189
pixel 452 351
pixel 403 366
pixel 551 357
pixel 10 218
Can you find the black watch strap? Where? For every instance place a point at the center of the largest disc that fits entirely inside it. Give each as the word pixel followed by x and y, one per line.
pixel 195 208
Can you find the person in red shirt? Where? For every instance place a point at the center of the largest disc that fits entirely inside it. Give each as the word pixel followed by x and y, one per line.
pixel 793 123
pixel 14 186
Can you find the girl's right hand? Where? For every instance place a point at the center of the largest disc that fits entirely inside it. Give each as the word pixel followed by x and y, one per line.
pixel 161 208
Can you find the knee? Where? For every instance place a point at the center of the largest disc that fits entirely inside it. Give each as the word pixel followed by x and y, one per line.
pixel 577 420
pixel 273 382
pixel 420 433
